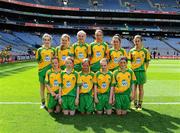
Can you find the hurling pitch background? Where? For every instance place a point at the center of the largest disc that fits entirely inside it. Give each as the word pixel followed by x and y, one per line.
pixel 20 112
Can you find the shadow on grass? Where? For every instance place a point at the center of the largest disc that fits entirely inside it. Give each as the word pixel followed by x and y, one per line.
pixel 145 121
pixel 15 71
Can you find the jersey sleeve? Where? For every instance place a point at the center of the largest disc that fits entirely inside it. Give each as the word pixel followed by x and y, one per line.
pixel 60 82
pixel 79 82
pixel 147 56
pixel 47 77
pixel 107 50
pixel 71 51
pixel 133 77
pixel 95 78
pixel 54 51
pixel 38 55
pixel 125 53
pixel 90 49
pixel 114 79
pixel 111 84
pixel 130 56
pixel 108 54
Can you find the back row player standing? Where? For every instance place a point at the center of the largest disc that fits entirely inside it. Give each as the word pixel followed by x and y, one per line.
pixel 43 56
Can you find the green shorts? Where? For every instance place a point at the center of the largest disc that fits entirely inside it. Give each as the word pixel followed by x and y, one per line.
pixel 122 101
pixel 140 77
pixel 51 101
pixel 68 102
pixel 42 73
pixel 78 67
pixel 86 103
pixel 103 102
pixel 95 67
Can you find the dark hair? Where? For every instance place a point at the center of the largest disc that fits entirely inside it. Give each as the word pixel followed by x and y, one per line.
pixel 123 58
pixel 54 58
pixel 70 58
pixel 85 60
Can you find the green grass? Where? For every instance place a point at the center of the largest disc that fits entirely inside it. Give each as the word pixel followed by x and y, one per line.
pixel 19 83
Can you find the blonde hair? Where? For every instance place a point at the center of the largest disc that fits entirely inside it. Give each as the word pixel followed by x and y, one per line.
pixel 98 31
pixel 69 58
pixel 138 36
pixel 103 60
pixel 64 36
pixel 47 35
pixel 81 32
pixel 116 36
pixel 85 60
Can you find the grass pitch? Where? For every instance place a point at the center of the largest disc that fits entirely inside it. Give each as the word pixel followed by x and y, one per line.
pixel 20 113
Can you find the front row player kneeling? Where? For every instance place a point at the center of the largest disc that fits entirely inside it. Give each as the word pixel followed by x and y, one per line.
pixel 86 102
pixel 53 81
pixel 124 79
pixel 70 88
pixel 104 89
pixel 108 88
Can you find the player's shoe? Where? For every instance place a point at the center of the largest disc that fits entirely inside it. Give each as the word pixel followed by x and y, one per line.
pixel 42 106
pixel 134 105
pixel 139 107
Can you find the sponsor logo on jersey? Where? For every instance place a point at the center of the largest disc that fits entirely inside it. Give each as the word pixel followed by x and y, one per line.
pixel 104 85
pixel 56 83
pixel 63 57
pixel 124 83
pixel 85 85
pixel 68 84
pixel 98 54
pixel 47 58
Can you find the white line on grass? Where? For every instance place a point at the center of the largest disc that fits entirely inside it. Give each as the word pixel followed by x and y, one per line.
pixel 150 103
pixel 26 103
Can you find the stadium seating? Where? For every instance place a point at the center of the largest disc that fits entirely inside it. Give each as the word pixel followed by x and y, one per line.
pixel 156 44
pixel 165 5
pixel 174 42
pixel 21 41
pixel 137 4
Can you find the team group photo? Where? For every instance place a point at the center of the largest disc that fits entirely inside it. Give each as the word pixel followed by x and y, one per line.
pixel 91 77
pixel 89 66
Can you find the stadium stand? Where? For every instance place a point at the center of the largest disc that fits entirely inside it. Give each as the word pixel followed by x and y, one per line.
pixel 157 44
pixel 173 42
pixel 21 41
pixel 167 5
pixel 154 5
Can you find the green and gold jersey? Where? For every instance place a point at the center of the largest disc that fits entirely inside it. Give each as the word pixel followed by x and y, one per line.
pixel 123 80
pixel 87 81
pixel 104 81
pixel 43 56
pixel 113 56
pixel 97 51
pixel 53 79
pixel 69 83
pixel 138 59
pixel 79 52
pixel 62 54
